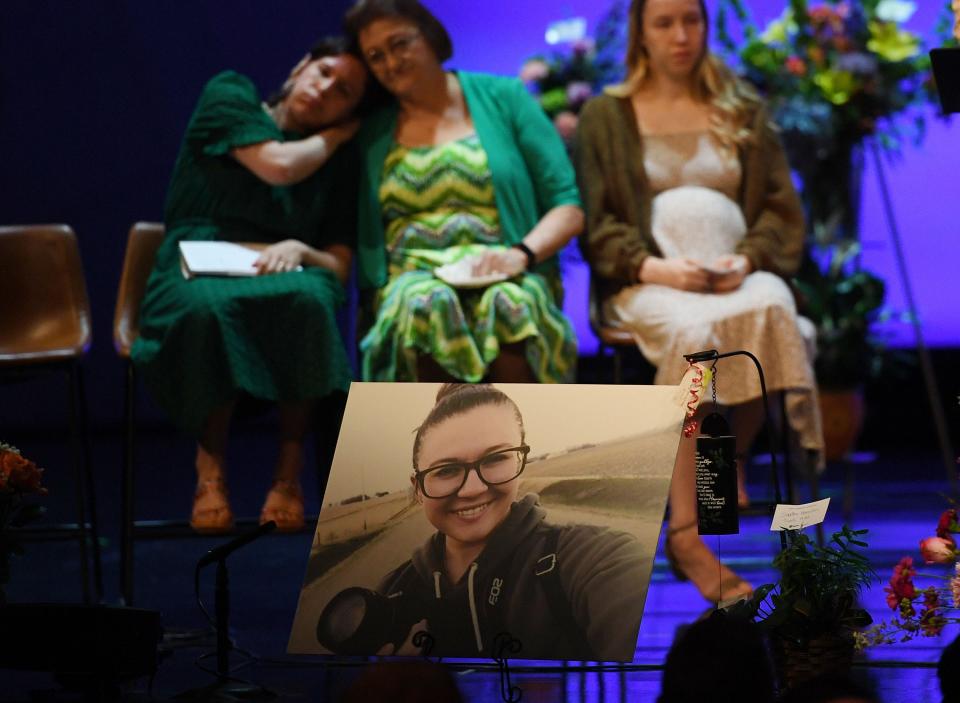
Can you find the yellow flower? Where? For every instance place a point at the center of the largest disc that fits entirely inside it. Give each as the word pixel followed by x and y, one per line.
pixel 891 43
pixel 837 86
pixel 778 30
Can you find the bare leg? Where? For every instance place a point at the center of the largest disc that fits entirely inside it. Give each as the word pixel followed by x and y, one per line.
pixel 688 554
pixel 746 420
pixel 511 365
pixel 284 502
pixel 211 509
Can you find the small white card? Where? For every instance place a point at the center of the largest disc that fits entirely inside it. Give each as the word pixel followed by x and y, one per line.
pixel 796 517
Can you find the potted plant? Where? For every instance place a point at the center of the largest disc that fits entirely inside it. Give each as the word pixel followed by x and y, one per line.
pixel 843 301
pixel 812 613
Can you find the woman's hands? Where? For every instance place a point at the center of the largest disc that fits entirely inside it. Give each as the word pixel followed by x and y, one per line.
pixel 282 256
pixel 735 268
pixel 724 274
pixel 511 262
pixel 290 254
pixel 408 648
pixel 681 273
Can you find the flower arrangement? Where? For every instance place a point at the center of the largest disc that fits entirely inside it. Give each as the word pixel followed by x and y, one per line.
pixel 922 612
pixel 18 477
pixel 565 79
pixel 833 74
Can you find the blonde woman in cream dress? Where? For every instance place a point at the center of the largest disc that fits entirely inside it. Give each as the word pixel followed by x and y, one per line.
pixel 692 226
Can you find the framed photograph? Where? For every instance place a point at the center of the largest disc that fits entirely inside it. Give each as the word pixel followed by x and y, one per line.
pixel 458 512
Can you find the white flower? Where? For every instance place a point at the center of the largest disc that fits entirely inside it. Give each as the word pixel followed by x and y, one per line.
pixel 897 11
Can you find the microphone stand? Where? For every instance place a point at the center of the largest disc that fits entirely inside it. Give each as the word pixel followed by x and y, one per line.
pixel 226 688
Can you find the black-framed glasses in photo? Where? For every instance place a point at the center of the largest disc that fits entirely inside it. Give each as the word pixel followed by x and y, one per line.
pixel 494 469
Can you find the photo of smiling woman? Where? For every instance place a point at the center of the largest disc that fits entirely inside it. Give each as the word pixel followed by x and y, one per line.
pixel 494 563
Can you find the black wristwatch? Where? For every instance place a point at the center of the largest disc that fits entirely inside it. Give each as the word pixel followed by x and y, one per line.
pixel 528 252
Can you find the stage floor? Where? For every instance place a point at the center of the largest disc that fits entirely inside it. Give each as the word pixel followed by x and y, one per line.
pixel 898 499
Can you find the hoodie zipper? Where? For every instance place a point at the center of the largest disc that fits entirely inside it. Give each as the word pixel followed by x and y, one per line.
pixel 473 606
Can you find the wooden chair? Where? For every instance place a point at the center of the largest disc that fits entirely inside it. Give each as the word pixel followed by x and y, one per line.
pixel 142 244
pixel 45 328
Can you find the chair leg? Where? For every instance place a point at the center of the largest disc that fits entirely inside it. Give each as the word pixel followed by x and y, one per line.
pixel 127 487
pixel 80 478
pixel 815 496
pixel 91 488
pixel 785 449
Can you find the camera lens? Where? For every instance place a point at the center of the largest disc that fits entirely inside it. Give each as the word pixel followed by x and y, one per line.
pixel 341 619
pixel 357 621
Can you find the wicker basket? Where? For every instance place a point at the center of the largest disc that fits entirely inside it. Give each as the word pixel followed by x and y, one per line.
pixel 824 655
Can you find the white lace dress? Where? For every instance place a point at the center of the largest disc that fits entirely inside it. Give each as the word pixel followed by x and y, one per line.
pixel 695 215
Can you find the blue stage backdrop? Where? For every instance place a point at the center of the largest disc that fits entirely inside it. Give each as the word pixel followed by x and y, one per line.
pixel 94 97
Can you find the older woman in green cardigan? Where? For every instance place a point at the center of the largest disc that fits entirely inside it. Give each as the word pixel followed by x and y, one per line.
pixel 462 170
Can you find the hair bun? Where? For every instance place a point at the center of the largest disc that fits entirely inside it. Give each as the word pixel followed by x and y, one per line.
pixel 451 389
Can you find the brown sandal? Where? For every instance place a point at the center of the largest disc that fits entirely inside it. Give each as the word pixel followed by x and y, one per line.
pixel 212 520
pixel 288 515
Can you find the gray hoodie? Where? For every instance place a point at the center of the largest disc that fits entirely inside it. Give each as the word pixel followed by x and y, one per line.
pixel 602 575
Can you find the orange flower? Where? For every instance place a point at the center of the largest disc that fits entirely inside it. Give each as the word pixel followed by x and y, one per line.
pixel 816 55
pixel 796 66
pixel 19 474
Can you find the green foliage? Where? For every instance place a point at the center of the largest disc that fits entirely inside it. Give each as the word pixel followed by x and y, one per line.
pixel 842 301
pixel 817 593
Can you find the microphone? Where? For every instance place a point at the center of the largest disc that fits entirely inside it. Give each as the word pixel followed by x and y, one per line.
pixel 225 550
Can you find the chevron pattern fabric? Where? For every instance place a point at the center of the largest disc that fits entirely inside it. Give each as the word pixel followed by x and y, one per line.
pixel 438 206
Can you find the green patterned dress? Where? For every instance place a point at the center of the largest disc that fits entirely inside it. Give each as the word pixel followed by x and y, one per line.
pixel 438 207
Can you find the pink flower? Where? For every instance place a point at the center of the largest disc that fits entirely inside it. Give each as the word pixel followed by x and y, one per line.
pixel 566 124
pixel 796 66
pixel 578 92
pixel 947 523
pixel 938 550
pixel 534 70
pixel 901 584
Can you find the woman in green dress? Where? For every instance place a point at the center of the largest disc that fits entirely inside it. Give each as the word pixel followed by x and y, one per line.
pixel 277 173
pixel 463 171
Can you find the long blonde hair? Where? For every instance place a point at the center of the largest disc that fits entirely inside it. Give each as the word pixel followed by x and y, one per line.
pixel 734 102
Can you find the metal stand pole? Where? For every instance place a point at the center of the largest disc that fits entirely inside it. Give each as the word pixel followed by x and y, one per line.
pixel 714 355
pixel 929 377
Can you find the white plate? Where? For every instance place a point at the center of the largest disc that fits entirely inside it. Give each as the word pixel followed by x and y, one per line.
pixel 459 275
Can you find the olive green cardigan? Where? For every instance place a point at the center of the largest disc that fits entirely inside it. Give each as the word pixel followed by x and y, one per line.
pixel 617 196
